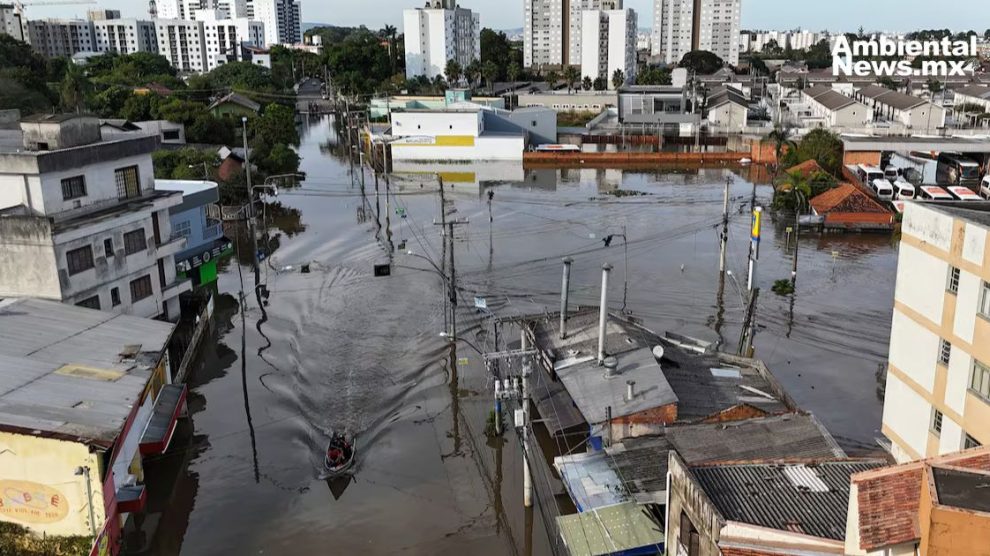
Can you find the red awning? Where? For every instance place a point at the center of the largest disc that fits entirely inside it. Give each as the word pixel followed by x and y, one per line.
pixel 157 436
pixel 131 499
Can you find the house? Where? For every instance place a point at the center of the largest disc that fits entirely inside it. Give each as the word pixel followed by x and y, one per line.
pixel 909 111
pixel 81 222
pixel 760 508
pixel 85 396
pixel 232 163
pixel 256 55
pixel 846 207
pixel 807 169
pixel 234 105
pixel 198 220
pixel 727 109
pixel 170 133
pixel 833 109
pixel 664 105
pixel 932 506
pixel 937 397
pixel 973 94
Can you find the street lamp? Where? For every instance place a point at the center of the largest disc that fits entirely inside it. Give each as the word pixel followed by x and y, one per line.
pixel 84 470
pixel 735 284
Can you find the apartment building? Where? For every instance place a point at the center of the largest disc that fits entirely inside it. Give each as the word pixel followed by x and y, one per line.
pixel 681 26
pixel 12 22
pixel 223 38
pixel 938 379
pixel 574 22
pixel 60 37
pixel 81 222
pixel 282 20
pixel 609 45
pixel 183 43
pixel 124 36
pixel 186 9
pixel 437 34
pixel 545 28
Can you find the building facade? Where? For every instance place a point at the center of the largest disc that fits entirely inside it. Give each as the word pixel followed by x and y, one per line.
pixel 12 22
pixel 575 22
pixel 938 378
pixel 609 45
pixel 124 36
pixel 681 26
pixel 61 37
pixel 438 34
pixel 282 20
pixel 183 43
pixel 545 29
pixel 82 223
pixel 224 38
pixel 197 220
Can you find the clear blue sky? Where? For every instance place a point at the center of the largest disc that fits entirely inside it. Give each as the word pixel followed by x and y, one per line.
pixel 834 15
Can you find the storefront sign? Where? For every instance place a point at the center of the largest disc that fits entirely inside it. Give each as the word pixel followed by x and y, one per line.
pixel 31 502
pixel 207 255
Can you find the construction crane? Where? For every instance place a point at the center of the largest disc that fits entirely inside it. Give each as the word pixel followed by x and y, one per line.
pixel 19 5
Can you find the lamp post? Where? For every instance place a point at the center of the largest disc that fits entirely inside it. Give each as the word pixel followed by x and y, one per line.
pixel 84 470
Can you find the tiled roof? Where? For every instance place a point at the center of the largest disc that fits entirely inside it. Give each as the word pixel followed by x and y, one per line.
pixel 888 498
pixel 846 199
pixel 807 168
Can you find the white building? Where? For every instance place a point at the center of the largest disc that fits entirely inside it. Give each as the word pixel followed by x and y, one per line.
pixel 716 21
pixel 12 22
pixel 124 36
pixel 909 111
pixel 832 109
pixel 799 39
pixel 282 19
pixel 544 33
pixel 937 398
pixel 81 222
pixel 439 33
pixel 61 37
pixel 574 21
pixel 186 9
pixel 451 134
pixel 183 43
pixel 224 38
pixel 609 44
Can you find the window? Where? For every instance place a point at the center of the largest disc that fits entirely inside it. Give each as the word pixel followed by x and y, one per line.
pixel 170 135
pixel 985 300
pixel 79 260
pixel 970 442
pixel 182 229
pixel 108 247
pixel 944 352
pixel 134 242
pixel 91 303
pixel 115 296
pixel 128 185
pixel 936 422
pixel 953 282
pixel 979 382
pixel 141 288
pixel 73 188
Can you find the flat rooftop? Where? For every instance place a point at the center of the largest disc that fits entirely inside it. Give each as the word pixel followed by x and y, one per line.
pixel 859 143
pixel 73 373
pixel 977 212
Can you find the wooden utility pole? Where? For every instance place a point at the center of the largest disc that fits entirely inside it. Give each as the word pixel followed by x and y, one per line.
pixel 723 251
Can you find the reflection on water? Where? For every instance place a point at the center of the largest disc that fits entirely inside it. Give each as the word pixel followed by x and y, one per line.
pixel 336 347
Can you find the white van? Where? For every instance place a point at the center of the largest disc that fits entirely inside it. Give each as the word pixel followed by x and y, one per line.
pixel 883 188
pixel 985 187
pixel 891 173
pixel 963 193
pixel 869 173
pixel 934 193
pixel 904 189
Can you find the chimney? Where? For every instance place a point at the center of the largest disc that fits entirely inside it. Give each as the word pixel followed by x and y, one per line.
pixel 564 292
pixel 603 313
pixel 630 390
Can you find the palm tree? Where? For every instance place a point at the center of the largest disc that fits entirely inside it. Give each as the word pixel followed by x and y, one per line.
pixel 782 138
pixel 618 78
pixel 552 78
pixel 389 33
pixel 453 71
pixel 587 84
pixel 797 188
pixel 513 71
pixel 438 83
pixel 489 70
pixel 571 75
pixel 473 72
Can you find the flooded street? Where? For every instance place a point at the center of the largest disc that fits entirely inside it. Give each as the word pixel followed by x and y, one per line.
pixel 338 348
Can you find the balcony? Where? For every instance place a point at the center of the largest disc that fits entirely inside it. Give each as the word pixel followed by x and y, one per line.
pixel 171 245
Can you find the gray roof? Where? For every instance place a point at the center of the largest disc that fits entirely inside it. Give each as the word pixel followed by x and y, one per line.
pixel 54 118
pixel 828 98
pixel 237 98
pixel 874 91
pixel 978 91
pixel 721 95
pixel 894 99
pixel 791 435
pixel 71 372
pixel 810 498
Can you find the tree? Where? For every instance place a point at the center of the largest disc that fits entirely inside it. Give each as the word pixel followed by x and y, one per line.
pixel 390 33
pixel 653 76
pixel 489 70
pixel 571 75
pixel 282 160
pixel 888 82
pixel 276 125
pixel 782 138
pixel 701 62
pixel 453 71
pixel 73 90
pixel 600 83
pixel 986 35
pixel 793 192
pixel 587 83
pixel 357 60
pixel 822 146
pixel 552 78
pixel 618 78
pixel 140 107
pixel 473 72
pixel 513 71
pixel 496 47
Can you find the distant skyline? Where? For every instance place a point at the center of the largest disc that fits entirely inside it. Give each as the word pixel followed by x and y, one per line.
pixel 833 15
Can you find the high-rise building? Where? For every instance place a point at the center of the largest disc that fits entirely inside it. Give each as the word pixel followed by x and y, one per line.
pixel 574 22
pixel 12 22
pixel 61 37
pixel 124 36
pixel 183 43
pixel 609 44
pixel 438 33
pixel 937 398
pixel 224 37
pixel 282 19
pixel 101 15
pixel 186 9
pixel 681 26
pixel 545 29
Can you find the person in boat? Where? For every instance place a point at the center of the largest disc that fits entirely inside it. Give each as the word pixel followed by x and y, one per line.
pixel 339 450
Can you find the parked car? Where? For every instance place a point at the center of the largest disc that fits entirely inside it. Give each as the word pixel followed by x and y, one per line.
pixel 904 189
pixel 883 188
pixel 985 187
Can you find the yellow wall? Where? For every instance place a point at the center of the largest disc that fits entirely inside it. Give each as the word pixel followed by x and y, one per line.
pixel 39 488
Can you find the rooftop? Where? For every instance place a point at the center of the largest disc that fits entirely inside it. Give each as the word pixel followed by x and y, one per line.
pixel 828 98
pixel 915 142
pixel 71 372
pixel 979 91
pixel 968 490
pixel 805 498
pixel 845 198
pixel 894 99
pixel 238 99
pixel 54 118
pixel 611 530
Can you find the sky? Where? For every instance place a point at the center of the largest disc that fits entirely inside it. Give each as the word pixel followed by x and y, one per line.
pixel 832 15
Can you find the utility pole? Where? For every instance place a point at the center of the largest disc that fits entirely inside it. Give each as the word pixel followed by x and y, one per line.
pixel 452 278
pixel 797 236
pixel 527 474
pixel 564 293
pixel 723 252
pixel 250 211
pixel 749 327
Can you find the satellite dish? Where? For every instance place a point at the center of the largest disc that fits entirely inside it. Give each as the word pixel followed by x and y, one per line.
pixel 658 352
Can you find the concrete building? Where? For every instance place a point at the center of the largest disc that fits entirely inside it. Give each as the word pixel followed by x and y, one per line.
pixel 124 36
pixel 973 94
pixel 663 105
pixel 545 33
pixel 455 133
pixel 61 37
pixel 186 9
pixel 909 111
pixel 575 37
pixel 938 378
pixel 438 33
pixel 81 223
pixel 182 43
pixel 609 45
pixel 198 220
pixel 225 37
pixel 727 109
pixel 102 15
pixel 583 101
pixel 934 506
pixel 12 22
pixel 166 131
pixel 84 396
pixel 827 108
pixel 282 20
pixel 681 26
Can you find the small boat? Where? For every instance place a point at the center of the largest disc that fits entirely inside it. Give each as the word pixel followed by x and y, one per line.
pixel 339 457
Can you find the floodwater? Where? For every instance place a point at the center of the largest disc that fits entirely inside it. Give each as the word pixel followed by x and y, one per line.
pixel 337 348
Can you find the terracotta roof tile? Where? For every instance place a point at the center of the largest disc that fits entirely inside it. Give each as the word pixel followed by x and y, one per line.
pixel 846 198
pixel 807 168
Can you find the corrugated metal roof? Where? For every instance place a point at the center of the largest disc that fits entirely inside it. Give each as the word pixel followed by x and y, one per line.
pixel 792 435
pixel 39 337
pixel 610 530
pixel 778 496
